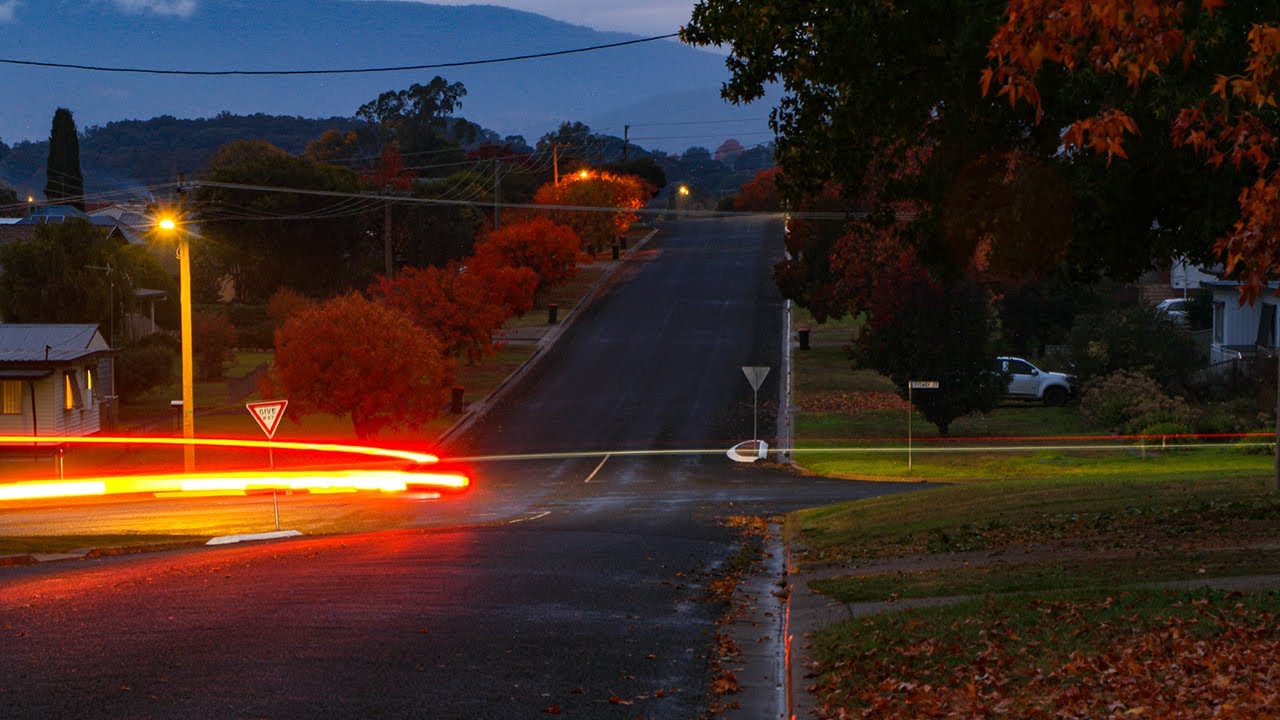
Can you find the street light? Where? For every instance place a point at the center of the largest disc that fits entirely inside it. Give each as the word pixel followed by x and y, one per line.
pixel 170 226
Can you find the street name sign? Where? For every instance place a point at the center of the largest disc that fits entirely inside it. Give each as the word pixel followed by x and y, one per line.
pixel 268 414
pixel 924 384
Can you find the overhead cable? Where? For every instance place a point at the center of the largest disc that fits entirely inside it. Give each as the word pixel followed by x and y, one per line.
pixel 342 71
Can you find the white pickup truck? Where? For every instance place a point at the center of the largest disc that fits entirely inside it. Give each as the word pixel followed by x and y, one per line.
pixel 1028 382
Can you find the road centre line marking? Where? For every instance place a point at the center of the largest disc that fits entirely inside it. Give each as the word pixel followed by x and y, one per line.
pixel 532 517
pixel 593 472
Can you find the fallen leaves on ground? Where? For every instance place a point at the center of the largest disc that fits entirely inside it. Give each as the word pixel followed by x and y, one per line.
pixel 1205 655
pixel 849 402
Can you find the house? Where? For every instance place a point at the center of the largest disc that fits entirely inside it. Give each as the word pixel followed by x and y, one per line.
pixel 1241 331
pixel 54 380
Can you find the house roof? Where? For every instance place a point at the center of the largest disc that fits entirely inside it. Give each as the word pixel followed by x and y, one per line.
pixel 22 343
pixel 54 214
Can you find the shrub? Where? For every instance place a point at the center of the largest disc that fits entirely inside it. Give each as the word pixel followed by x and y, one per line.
pixel 1129 402
pixel 142 367
pixel 213 335
pixel 1137 339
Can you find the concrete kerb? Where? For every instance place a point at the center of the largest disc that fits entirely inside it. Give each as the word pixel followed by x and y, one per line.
pixel 477 410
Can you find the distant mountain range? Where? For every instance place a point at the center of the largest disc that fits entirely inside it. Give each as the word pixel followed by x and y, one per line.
pixel 668 93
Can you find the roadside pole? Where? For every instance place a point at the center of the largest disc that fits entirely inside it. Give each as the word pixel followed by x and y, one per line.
pixel 915 385
pixel 267 415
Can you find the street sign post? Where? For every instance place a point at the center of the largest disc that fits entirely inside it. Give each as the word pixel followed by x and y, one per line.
pixel 268 414
pixel 755 375
pixel 912 386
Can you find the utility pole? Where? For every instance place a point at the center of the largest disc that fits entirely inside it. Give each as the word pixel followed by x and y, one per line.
pixel 386 236
pixel 555 161
pixel 626 135
pixel 497 193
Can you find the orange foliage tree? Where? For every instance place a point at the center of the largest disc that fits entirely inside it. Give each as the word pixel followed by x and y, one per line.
pixel 352 356
pixel 551 251
pixel 461 306
pixel 615 195
pixel 760 193
pixel 1233 121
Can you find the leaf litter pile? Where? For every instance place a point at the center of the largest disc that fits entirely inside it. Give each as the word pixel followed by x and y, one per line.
pixel 1148 654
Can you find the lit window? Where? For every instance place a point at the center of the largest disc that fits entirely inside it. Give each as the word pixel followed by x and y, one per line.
pixel 71 398
pixel 11 397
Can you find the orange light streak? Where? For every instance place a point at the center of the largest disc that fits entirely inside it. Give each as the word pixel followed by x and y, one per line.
pixel 238 482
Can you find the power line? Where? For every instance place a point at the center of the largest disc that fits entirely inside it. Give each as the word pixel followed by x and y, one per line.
pixel 345 71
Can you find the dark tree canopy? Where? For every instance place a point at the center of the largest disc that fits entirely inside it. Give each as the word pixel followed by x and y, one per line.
pixel 265 240
pixel 938 333
pixel 884 100
pixel 58 276
pixel 64 181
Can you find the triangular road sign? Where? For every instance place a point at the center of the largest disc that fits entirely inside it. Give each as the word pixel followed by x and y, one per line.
pixel 755 375
pixel 268 414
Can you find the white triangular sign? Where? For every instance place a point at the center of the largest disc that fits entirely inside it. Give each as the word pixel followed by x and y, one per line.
pixel 755 375
pixel 268 414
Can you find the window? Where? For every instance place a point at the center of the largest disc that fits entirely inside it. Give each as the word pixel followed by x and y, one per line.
pixel 10 397
pixel 1219 316
pixel 71 397
pixel 88 387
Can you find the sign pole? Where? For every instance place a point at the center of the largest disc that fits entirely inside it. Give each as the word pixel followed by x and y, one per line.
pixel 911 386
pixel 755 375
pixel 267 415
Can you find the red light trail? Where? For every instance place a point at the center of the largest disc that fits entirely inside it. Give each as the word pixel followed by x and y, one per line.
pixel 238 482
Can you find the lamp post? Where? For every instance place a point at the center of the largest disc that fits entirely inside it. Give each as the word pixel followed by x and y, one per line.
pixel 168 225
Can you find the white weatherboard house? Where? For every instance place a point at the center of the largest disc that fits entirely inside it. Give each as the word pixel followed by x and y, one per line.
pixel 52 379
pixel 1241 331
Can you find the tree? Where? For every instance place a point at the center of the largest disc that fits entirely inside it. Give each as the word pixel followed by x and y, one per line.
pixel 262 240
pixel 213 338
pixel 453 305
pixel 63 178
pixel 352 356
pixel 551 251
pixel 54 277
pixel 884 100
pixel 9 199
pixel 333 147
pixel 729 151
pixel 587 188
pixel 760 193
pixel 942 333
pixel 1226 109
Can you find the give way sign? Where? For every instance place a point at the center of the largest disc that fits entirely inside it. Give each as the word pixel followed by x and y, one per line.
pixel 268 414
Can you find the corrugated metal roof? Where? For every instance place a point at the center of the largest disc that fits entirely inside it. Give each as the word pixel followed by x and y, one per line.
pixel 27 343
pixel 23 374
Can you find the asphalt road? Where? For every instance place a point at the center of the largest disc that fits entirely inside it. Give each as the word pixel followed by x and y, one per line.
pixel 569 585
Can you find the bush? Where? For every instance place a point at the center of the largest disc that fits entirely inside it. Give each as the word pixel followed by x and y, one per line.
pixel 1130 402
pixel 1137 339
pixel 142 367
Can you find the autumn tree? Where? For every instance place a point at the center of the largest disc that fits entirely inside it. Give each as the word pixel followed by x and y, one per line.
pixel 886 101
pixel 352 356
pixel 286 302
pixel 760 193
pixel 551 251
pixel 462 309
pixel 615 196
pixel 1221 58
pixel 333 147
pixel 213 339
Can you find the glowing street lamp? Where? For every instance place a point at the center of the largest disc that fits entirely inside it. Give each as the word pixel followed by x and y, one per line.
pixel 169 226
pixel 684 189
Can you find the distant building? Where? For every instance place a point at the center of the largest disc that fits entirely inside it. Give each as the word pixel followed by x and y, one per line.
pixel 54 379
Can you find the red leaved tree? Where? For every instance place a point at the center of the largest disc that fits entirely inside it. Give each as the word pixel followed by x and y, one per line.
pixel 760 193
pixel 615 195
pixel 551 251
pixel 453 303
pixel 352 356
pixel 1235 122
